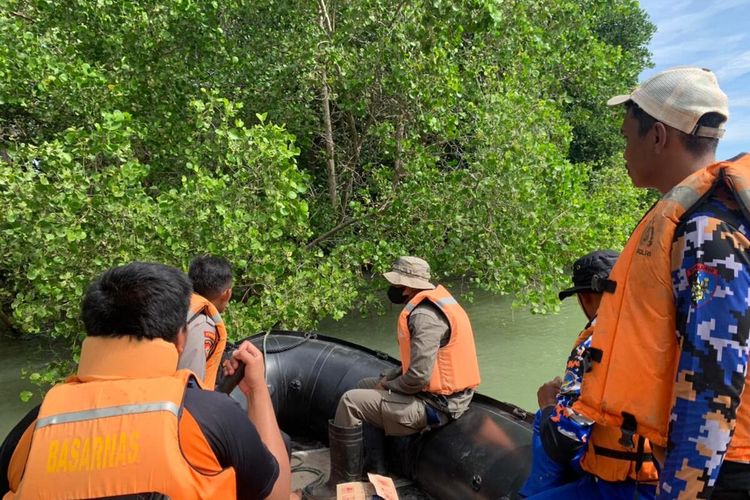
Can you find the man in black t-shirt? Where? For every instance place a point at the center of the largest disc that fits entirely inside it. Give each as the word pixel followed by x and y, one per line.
pixel 127 386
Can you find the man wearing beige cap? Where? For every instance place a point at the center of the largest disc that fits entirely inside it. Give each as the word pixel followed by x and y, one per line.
pixel 669 353
pixel 434 384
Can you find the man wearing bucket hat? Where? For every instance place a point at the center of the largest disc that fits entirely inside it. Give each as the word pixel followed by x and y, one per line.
pixel 669 351
pixel 560 434
pixel 434 385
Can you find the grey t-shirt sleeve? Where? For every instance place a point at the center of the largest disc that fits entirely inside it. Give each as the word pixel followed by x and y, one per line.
pixel 193 357
pixel 427 327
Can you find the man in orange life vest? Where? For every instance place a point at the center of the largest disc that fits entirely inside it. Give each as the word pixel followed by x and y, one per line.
pixel 669 351
pixel 434 384
pixel 129 425
pixel 561 434
pixel 207 334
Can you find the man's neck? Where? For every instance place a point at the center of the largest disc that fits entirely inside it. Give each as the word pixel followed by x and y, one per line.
pixel 686 165
pixel 217 304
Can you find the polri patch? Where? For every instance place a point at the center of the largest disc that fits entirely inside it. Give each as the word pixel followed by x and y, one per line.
pixel 703 281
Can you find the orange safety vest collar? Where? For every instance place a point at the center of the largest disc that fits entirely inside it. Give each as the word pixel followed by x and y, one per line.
pixel 201 305
pixel 634 341
pixel 456 367
pixel 115 429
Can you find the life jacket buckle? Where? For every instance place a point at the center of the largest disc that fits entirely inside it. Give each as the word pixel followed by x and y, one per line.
pixel 628 428
pixel 626 438
pixel 590 356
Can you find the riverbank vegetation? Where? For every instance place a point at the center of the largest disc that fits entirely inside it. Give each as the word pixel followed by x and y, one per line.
pixel 309 143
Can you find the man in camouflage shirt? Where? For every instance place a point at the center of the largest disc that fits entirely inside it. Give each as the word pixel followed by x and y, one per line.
pixel 672 125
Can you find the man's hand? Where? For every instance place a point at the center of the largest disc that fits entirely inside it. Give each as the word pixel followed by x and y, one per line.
pixel 254 377
pixel 380 386
pixel 547 393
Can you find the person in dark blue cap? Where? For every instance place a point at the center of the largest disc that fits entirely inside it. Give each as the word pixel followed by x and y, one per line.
pixel 560 435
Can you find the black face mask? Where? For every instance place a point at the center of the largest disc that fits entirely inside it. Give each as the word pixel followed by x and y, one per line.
pixel 396 295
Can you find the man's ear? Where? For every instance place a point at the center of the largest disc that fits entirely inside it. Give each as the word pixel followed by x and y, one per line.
pixel 181 339
pixel 660 137
pixel 226 294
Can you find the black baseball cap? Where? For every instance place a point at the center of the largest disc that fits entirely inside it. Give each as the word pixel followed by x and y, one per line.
pixel 594 266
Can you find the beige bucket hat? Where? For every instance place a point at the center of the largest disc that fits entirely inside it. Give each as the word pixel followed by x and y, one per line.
pixel 679 97
pixel 410 271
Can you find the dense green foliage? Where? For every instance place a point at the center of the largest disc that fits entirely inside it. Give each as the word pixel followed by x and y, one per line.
pixel 309 143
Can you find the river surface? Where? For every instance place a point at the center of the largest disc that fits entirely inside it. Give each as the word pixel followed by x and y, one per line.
pixel 517 350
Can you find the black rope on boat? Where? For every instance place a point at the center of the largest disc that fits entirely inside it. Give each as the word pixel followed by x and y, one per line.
pixel 312 470
pixel 286 348
pixel 227 384
pixel 305 468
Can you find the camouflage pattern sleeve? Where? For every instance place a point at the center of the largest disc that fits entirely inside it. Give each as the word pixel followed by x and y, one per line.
pixel 711 279
pixel 565 432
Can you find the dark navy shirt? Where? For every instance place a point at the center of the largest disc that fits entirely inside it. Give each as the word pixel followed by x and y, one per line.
pixel 227 429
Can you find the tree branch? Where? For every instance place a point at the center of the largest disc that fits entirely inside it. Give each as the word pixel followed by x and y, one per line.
pixel 343 225
pixel 330 149
pixel 325 24
pixel 399 172
pixel 348 221
pixel 22 16
pixel 325 20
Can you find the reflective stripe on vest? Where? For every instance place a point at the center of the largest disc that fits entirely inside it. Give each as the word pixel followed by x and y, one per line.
pixel 634 357
pixel 135 444
pixel 200 305
pixel 456 367
pixel 110 411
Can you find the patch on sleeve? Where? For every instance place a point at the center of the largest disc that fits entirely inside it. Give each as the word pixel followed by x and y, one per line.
pixel 703 281
pixel 210 341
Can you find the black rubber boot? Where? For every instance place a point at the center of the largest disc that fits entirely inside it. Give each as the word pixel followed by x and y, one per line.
pixel 347 460
pixel 374 441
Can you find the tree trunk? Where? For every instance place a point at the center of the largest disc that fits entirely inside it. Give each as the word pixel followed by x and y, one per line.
pixel 327 26
pixel 328 134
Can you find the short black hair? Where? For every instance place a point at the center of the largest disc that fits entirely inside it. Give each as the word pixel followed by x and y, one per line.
pixel 697 145
pixel 210 275
pixel 142 299
pixel 645 120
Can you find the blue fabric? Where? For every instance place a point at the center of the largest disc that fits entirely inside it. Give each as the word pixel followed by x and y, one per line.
pixel 565 431
pixel 711 279
pixel 545 472
pixel 590 488
pixel 433 418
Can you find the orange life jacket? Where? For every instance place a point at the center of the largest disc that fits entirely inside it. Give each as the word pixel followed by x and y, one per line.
pixel 607 458
pixel 456 366
pixel 201 305
pixel 635 348
pixel 114 429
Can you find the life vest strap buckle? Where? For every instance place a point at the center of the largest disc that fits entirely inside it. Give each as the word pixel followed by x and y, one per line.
pixel 628 428
pixel 590 356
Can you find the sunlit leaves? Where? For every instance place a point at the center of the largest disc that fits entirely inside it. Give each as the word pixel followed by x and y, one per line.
pixel 472 133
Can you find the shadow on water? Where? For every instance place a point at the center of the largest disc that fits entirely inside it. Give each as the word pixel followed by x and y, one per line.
pixel 518 351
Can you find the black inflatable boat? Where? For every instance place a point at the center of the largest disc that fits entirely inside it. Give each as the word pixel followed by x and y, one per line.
pixel 485 454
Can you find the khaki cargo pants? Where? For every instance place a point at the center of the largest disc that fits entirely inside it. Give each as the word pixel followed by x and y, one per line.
pixel 397 414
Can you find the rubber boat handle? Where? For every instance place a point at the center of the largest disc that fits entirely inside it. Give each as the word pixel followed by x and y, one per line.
pixel 228 384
